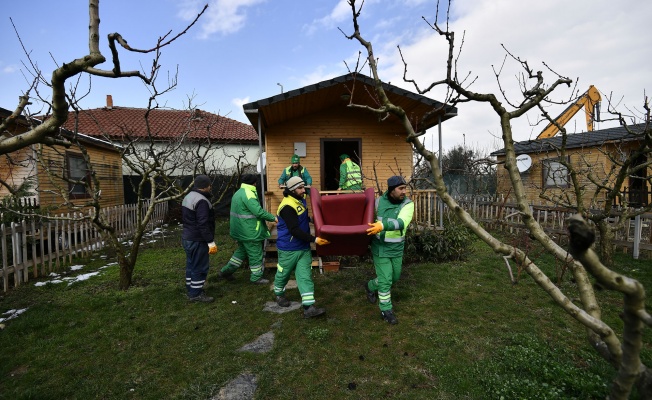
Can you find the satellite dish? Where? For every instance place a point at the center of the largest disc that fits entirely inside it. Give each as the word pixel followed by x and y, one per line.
pixel 523 162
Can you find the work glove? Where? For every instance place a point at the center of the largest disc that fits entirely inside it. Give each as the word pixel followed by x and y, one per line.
pixel 212 248
pixel 375 229
pixel 321 242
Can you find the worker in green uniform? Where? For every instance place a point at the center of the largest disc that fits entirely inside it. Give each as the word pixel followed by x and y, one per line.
pixel 293 244
pixel 294 169
pixel 394 212
pixel 350 174
pixel 248 227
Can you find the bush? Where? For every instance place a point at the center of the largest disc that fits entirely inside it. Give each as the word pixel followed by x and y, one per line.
pixel 450 244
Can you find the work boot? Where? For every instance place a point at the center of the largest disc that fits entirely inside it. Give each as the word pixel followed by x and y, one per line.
pixel 226 277
pixel 282 301
pixel 261 281
pixel 371 295
pixel 201 298
pixel 389 317
pixel 312 311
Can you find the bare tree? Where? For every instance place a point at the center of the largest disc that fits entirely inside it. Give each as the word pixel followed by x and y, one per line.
pixel 466 170
pixel 48 132
pixel 596 189
pixel 159 165
pixel 623 356
pixel 154 164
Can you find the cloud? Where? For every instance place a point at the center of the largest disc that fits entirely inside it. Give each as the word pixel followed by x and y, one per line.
pixel 603 50
pixel 341 12
pixel 321 73
pixel 222 17
pixel 9 69
pixel 238 102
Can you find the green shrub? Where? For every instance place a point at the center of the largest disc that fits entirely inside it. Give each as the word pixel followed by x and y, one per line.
pixel 453 243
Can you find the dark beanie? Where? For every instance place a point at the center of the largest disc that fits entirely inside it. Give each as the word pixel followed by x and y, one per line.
pixel 202 182
pixel 394 182
pixel 250 179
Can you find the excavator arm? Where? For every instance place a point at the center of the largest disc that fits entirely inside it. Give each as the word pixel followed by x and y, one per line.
pixel 589 101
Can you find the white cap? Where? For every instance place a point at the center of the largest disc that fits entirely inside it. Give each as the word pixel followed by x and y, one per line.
pixel 294 183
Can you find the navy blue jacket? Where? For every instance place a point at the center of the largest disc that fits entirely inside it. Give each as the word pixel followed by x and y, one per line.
pixel 198 218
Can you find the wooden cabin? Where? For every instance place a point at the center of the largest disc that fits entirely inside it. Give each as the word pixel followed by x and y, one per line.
pixel 318 124
pixel 22 165
pixel 589 152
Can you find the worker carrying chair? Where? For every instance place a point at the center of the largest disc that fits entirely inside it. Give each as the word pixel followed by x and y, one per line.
pixel 343 220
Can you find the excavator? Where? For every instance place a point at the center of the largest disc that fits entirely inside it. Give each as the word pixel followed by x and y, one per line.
pixel 590 101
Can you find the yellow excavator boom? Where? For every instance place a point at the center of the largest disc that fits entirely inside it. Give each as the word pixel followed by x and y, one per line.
pixel 589 101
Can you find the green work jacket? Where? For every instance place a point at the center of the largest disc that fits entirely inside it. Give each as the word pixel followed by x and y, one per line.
pixel 248 218
pixel 302 173
pixel 350 176
pixel 390 242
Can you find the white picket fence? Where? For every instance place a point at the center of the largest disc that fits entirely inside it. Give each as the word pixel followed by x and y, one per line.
pixel 38 246
pixel 500 214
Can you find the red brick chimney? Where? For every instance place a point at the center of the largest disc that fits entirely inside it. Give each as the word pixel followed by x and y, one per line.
pixel 109 101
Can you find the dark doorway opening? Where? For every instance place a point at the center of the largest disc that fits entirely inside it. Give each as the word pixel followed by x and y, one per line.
pixel 331 149
pixel 638 191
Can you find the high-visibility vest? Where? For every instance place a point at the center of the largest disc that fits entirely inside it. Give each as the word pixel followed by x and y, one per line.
pixel 285 240
pixel 353 174
pixel 395 218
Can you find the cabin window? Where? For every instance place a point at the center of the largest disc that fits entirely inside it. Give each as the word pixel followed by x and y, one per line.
pixel 555 174
pixel 77 171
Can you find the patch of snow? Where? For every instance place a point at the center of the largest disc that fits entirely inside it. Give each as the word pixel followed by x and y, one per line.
pixel 11 314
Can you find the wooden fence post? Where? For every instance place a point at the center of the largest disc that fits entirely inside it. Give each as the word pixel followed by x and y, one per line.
pixel 638 230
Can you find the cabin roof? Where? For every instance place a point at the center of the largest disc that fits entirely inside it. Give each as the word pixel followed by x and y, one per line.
pixel 333 93
pixel 577 140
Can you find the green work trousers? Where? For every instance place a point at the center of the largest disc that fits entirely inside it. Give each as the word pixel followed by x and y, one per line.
pixel 299 261
pixel 251 249
pixel 388 272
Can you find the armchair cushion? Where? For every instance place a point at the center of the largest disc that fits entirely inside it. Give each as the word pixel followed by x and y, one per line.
pixel 343 220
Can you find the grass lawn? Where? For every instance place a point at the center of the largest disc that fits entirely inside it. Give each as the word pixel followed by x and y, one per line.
pixel 464 332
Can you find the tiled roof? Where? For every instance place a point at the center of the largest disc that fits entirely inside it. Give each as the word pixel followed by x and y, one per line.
pixel 22 121
pixel 616 134
pixel 117 122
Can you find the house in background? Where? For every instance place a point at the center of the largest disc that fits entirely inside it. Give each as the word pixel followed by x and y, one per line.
pixel 233 145
pixel 541 170
pixel 316 123
pixel 22 165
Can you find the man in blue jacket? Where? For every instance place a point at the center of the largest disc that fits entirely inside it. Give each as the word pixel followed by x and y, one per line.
pixel 198 237
pixel 293 246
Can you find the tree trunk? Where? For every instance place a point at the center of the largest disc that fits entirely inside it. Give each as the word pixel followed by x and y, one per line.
pixel 644 385
pixel 606 243
pixel 126 273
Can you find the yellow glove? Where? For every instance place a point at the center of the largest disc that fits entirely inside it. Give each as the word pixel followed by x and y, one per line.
pixel 322 242
pixel 375 229
pixel 212 248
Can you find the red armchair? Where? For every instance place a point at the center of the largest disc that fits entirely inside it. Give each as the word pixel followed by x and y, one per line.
pixel 343 220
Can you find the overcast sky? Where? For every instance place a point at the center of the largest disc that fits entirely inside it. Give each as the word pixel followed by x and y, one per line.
pixel 246 50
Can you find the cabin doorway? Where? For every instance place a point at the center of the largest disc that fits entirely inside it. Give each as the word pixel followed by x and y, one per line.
pixel 331 149
pixel 638 191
